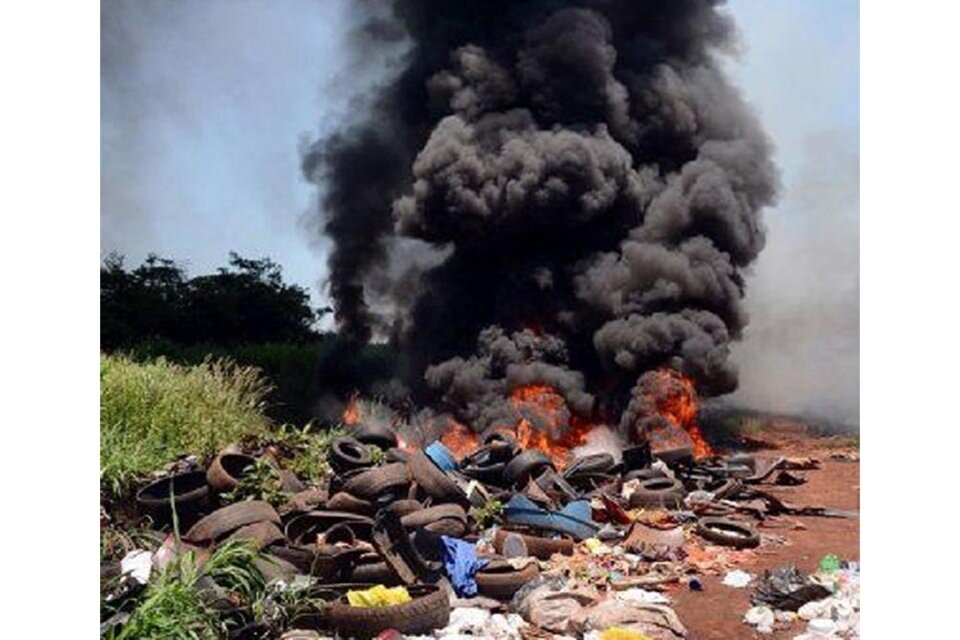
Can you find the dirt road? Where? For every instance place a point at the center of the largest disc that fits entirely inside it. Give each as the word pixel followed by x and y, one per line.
pixel 717 612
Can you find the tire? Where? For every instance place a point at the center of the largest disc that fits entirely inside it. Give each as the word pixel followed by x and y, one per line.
pixel 290 482
pixel 226 470
pixel 343 501
pixel 369 484
pixel 445 519
pixel 643 474
pixel 191 497
pixel 539 548
pixel 729 488
pixel 313 522
pixel 261 534
pixel 347 454
pixel 429 610
pixel 594 463
pixel 435 482
pixel 658 492
pixel 380 436
pixel 378 572
pixel 728 533
pixel 395 454
pixel 424 517
pixel 403 507
pixel 230 518
pixel 528 463
pixel 501 585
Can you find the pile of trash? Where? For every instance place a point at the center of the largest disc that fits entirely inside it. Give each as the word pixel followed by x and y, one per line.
pixel 828 601
pixel 499 543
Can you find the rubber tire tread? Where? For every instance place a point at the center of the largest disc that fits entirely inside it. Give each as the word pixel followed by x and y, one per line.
pixel 230 518
pixel 705 531
pixel 502 585
pixel 420 616
pixel 434 482
pixel 369 484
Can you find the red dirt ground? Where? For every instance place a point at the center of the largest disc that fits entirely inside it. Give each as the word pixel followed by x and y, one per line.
pixel 717 612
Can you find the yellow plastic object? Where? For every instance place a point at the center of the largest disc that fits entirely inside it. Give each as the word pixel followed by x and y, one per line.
pixel 378 596
pixel 619 633
pixel 592 544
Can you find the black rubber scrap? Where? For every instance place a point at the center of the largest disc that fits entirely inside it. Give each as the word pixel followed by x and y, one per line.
pixel 347 454
pixel 728 533
pixel 500 581
pixel 369 484
pixel 428 610
pixel 658 492
pixel 787 589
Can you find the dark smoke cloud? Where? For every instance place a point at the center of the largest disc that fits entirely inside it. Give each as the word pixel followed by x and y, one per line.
pixel 585 182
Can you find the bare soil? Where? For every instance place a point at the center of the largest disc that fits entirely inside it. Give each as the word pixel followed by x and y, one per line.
pixel 717 612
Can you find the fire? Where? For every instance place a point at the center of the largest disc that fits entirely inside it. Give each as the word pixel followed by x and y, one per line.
pixel 460 439
pixel 352 414
pixel 546 423
pixel 676 402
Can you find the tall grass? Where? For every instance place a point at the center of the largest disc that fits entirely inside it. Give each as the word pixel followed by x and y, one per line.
pixel 151 413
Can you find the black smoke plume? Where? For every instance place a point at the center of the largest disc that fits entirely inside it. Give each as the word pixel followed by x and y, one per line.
pixel 582 187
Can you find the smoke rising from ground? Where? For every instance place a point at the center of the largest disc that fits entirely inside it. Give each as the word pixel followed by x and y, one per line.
pixel 801 351
pixel 584 187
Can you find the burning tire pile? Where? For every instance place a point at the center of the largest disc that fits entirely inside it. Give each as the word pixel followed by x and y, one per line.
pixel 499 534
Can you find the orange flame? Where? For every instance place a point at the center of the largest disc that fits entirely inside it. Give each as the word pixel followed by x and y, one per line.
pixel 352 414
pixel 460 439
pixel 677 402
pixel 551 427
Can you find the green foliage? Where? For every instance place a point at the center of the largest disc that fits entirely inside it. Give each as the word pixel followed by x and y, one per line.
pixel 310 449
pixel 488 513
pixel 260 481
pixel 173 605
pixel 245 302
pixel 151 413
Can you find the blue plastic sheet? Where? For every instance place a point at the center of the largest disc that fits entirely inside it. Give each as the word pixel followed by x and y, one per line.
pixel 575 518
pixel 441 456
pixel 461 564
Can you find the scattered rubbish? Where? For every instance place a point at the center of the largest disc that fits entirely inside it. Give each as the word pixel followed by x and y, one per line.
pixel 787 589
pixel 527 546
pixel 737 579
pixel 137 565
pixel 378 596
pixel 829 563
pixel 461 564
pixel 761 617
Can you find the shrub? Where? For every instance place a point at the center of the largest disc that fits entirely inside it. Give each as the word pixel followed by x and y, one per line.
pixel 152 413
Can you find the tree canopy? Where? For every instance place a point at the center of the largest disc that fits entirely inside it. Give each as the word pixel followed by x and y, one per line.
pixel 245 302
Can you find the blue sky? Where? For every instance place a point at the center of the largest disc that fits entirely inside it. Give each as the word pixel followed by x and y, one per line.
pixel 204 103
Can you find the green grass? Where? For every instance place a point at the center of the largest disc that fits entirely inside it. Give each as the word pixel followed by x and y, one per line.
pixel 151 413
pixel 174 607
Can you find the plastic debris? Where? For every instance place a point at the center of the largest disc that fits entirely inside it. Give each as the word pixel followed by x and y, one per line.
pixel 461 564
pixel 378 596
pixel 760 617
pixel 137 565
pixel 642 595
pixel 788 589
pixel 737 579
pixel 829 563
pixel 619 633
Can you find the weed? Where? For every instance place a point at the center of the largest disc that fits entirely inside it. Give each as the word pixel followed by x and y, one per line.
pixel 152 413
pixel 488 513
pixel 174 606
pixel 260 481
pixel 310 449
